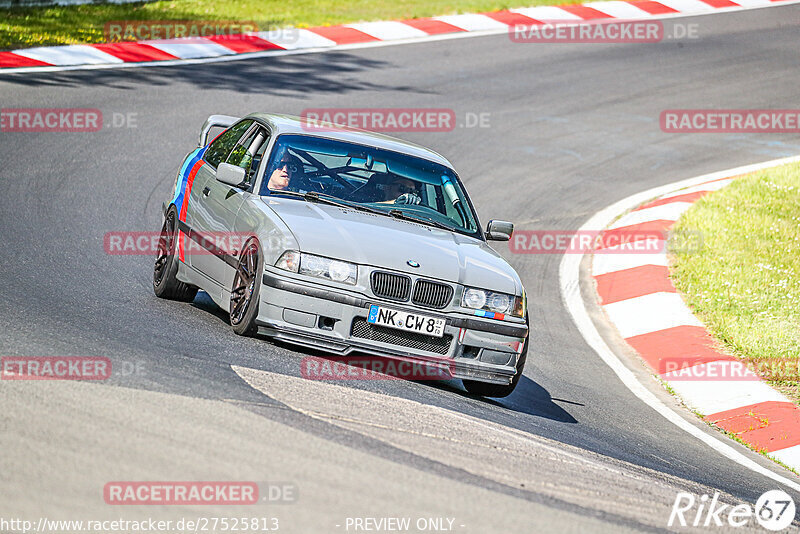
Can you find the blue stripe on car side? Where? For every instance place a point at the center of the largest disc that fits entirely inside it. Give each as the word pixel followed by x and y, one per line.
pixel 180 191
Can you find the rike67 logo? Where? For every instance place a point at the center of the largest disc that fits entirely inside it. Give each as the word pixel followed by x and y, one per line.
pixel 774 510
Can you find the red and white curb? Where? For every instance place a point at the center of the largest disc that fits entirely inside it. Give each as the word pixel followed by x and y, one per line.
pixel 570 274
pixel 261 44
pixel 639 298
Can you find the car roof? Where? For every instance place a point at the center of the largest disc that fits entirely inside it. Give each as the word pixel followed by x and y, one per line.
pixel 290 124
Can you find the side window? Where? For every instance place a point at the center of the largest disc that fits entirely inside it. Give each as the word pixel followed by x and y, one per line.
pixel 247 154
pixel 219 149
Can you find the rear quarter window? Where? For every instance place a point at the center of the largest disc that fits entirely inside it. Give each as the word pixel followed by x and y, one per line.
pixel 222 146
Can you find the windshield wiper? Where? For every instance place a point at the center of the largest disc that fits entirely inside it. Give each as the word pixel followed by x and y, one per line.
pixel 323 198
pixel 287 193
pixel 399 214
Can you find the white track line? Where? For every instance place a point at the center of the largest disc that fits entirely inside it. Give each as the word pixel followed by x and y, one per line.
pixel 389 30
pixel 789 455
pixel 473 23
pixel 619 10
pixel 547 14
pixel 303 39
pixel 69 55
pixel 671 211
pixel 622 257
pixel 191 48
pixel 650 313
pixel 753 3
pixel 714 396
pixel 569 277
pixel 690 6
pixel 707 188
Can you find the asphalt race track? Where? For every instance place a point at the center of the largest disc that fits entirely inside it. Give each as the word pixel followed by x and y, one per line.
pixel 571 129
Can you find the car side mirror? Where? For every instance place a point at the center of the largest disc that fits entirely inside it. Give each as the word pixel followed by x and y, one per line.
pixel 230 174
pixel 499 230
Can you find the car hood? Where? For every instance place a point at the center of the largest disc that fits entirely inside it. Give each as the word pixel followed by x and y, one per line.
pixel 389 243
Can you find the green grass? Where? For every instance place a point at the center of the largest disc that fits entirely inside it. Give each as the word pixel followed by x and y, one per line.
pixel 21 28
pixel 744 283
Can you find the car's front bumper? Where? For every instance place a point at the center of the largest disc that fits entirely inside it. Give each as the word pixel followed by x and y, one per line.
pixel 334 321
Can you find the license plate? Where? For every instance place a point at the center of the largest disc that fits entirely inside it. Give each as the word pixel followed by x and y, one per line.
pixel 410 322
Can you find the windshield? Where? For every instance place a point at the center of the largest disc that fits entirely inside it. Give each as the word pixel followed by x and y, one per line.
pixel 381 180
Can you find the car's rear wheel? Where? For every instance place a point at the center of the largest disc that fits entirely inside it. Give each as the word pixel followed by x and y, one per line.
pixel 165 283
pixel 245 290
pixel 485 389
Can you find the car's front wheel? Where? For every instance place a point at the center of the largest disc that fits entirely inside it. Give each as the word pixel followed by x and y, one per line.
pixel 484 389
pixel 165 282
pixel 244 293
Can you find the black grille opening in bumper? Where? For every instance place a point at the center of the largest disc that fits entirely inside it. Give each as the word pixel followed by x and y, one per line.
pixel 432 294
pixel 364 330
pixel 391 286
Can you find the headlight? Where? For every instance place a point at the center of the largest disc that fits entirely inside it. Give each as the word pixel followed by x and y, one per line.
pixel 318 266
pixel 474 298
pixel 495 303
pixel 289 261
pixel 498 302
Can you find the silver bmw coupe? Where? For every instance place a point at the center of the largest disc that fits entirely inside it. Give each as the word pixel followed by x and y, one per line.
pixel 345 241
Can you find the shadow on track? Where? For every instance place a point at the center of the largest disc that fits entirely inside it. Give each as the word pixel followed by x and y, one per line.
pixel 304 74
pixel 528 398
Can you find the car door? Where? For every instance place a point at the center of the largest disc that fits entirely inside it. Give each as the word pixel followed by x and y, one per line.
pixel 221 202
pixel 210 213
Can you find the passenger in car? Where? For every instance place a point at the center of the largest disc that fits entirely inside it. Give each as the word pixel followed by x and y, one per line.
pixel 401 191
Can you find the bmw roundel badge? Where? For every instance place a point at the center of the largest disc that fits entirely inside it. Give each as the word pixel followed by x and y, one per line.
pixel 412 263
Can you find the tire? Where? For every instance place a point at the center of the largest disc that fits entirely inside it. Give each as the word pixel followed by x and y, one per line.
pixel 165 283
pixel 246 288
pixel 485 389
